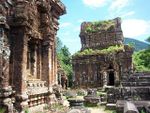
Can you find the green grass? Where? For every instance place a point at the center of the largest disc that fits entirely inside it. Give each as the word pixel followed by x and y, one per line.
pixel 142 111
pixel 101 93
pixel 26 110
pixel 2 110
pixel 107 110
pixel 56 107
pixel 110 111
pixel 87 104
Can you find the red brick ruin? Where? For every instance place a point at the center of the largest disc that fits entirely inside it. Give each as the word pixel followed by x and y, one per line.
pixel 96 65
pixel 28 63
pixel 104 65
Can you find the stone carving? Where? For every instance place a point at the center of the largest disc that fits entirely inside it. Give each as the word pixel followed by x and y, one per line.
pixel 64 81
pixel 57 91
pixel 91 97
pixel 62 77
pixel 5 53
pixel 4 49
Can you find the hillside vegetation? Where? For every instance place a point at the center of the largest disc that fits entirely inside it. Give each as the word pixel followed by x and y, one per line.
pixel 141 59
pixel 138 45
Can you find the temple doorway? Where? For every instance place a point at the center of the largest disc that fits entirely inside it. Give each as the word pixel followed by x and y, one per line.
pixel 111 76
pixel 111 79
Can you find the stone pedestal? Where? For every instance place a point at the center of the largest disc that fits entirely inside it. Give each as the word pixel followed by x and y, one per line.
pixel 6 100
pixel 21 103
pixel 91 97
pixel 76 102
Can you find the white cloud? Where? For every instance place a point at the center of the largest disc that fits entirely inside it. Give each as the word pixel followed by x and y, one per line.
pixel 127 14
pixel 65 24
pixel 95 3
pixel 77 29
pixel 66 33
pixel 118 8
pixel 135 27
pixel 81 20
pixel 118 4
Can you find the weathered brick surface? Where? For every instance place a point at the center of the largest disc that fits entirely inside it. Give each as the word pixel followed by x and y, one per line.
pixel 95 67
pixel 33 25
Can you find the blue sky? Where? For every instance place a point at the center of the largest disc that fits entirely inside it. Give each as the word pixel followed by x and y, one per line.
pixel 135 16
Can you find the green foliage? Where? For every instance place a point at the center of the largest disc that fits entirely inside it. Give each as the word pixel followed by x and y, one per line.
pixel 2 110
pixel 26 110
pixel 99 25
pixel 87 104
pixel 136 44
pixel 142 111
pixel 81 92
pixel 141 60
pixel 64 56
pixel 101 93
pixel 108 50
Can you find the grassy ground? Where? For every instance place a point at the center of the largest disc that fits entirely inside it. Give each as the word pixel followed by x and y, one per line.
pixel 100 109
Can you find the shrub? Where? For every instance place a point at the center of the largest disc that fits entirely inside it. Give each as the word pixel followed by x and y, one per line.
pixel 2 110
pixel 99 25
pixel 109 50
pixel 26 110
pixel 81 92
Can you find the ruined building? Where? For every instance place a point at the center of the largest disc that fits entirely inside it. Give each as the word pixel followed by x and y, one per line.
pixel 28 61
pixel 103 59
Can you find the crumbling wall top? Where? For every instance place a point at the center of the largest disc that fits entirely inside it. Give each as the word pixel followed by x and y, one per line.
pixel 100 26
pixel 101 34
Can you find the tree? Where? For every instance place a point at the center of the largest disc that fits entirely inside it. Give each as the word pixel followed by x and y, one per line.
pixel 141 59
pixel 64 56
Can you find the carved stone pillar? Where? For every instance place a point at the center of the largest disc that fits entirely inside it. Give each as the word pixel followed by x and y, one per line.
pixel 105 81
pixel 19 61
pixel 47 63
pixel 19 49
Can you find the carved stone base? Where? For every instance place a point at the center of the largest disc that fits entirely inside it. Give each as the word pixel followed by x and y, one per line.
pixel 6 99
pixel 21 104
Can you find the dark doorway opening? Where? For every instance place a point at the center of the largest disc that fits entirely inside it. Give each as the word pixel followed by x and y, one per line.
pixel 111 79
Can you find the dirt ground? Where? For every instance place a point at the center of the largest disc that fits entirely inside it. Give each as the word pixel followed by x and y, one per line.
pixel 97 110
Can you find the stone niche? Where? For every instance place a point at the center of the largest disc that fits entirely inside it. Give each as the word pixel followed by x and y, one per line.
pixel 103 58
pixel 30 26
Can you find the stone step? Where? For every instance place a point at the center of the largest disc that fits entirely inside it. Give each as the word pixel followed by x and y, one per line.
pixel 135 83
pixel 111 106
pixel 103 103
